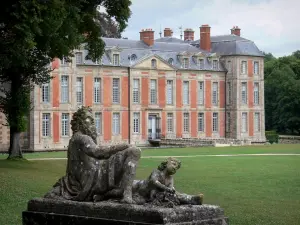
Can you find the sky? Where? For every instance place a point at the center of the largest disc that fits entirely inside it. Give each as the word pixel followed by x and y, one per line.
pixel 274 25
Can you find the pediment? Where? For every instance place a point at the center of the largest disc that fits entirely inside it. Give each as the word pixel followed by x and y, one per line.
pixel 146 63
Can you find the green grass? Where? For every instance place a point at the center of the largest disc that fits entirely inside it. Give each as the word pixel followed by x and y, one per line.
pixel 252 190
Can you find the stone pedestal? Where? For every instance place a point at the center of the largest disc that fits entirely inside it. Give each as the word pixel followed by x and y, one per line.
pixel 47 211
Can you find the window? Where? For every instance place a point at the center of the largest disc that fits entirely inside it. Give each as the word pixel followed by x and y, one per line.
pixel 215 64
pixel 153 92
pixel 244 67
pixel 185 63
pixel 133 57
pixel 98 122
pixel 200 122
pixel 116 123
pixel 244 122
pixel 46 93
pixel 201 93
pixel 215 94
pixel 64 89
pixel 170 123
pixel 256 93
pixel 186 122
pixel 65 124
pixel 244 92
pixel 229 93
pixel 256 68
pixel 186 93
pixel 229 66
pixel 136 122
pixel 228 122
pixel 64 61
pixel 116 61
pixel 201 64
pixel 79 90
pixel 116 90
pixel 153 64
pixel 97 90
pixel 136 91
pixel 46 125
pixel 171 61
pixel 215 122
pixel 169 92
pixel 78 57
pixel 257 122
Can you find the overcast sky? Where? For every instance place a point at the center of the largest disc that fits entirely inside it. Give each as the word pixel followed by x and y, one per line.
pixel 274 25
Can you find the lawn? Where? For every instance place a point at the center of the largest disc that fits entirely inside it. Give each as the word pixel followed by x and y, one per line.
pixel 263 190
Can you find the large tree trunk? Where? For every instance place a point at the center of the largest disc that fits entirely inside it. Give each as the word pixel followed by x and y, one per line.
pixel 14 145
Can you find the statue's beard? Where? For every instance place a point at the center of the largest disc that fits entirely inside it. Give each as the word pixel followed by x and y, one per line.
pixel 92 132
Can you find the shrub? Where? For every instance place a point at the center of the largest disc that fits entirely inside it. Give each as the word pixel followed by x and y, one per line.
pixel 272 136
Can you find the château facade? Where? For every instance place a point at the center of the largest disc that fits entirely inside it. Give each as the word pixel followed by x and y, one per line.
pixel 147 89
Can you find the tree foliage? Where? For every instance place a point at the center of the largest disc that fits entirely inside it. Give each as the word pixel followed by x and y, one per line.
pixel 33 33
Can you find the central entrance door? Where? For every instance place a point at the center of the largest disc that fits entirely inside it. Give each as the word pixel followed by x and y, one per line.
pixel 153 127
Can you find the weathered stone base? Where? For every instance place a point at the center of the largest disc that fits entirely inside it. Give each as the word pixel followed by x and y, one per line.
pixel 45 211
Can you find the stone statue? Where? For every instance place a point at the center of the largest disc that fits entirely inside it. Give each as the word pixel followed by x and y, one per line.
pixel 95 173
pixel 159 188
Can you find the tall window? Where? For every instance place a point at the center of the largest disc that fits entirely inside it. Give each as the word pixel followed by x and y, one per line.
pixel 244 67
pixel 79 90
pixel 136 122
pixel 136 91
pixel 256 68
pixel 186 93
pixel 215 122
pixel 170 123
pixel 229 93
pixel 200 122
pixel 116 90
pixel 229 66
pixel 169 92
pixel 256 93
pixel 97 90
pixel 153 64
pixel 228 122
pixel 46 125
pixel 65 124
pixel 186 122
pixel 78 57
pixel 98 122
pixel 244 93
pixel 64 89
pixel 46 93
pixel 116 123
pixel 116 61
pixel 201 64
pixel 153 92
pixel 244 122
pixel 215 64
pixel 215 93
pixel 201 93
pixel 185 63
pixel 257 122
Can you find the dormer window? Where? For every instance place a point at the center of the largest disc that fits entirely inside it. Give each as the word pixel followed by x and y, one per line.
pixel 116 61
pixel 185 63
pixel 201 64
pixel 153 64
pixel 215 64
pixel 64 61
pixel 171 61
pixel 133 57
pixel 78 57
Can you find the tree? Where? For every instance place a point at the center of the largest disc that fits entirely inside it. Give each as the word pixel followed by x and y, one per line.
pixel 33 33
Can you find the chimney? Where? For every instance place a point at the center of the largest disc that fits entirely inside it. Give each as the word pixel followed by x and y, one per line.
pixel 168 32
pixel 189 34
pixel 236 31
pixel 205 37
pixel 147 36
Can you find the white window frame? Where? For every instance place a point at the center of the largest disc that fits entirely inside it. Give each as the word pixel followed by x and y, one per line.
pixel 153 92
pixel 244 67
pixel 244 93
pixel 215 125
pixel 201 122
pixel 215 64
pixel 136 122
pixel 215 94
pixel 46 125
pixel 256 67
pixel 79 90
pixel 256 122
pixel 79 57
pixel 98 122
pixel 256 93
pixel 136 91
pixel 170 92
pixel 97 90
pixel 244 122
pixel 170 122
pixel 64 61
pixel 65 124
pixel 116 123
pixel 201 93
pixel 201 64
pixel 64 86
pixel 185 63
pixel 153 63
pixel 46 93
pixel 186 122
pixel 116 59
pixel 186 92
pixel 116 90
